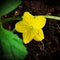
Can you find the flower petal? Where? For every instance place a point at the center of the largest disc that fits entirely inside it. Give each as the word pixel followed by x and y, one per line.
pixel 27 17
pixel 27 37
pixel 21 27
pixel 39 21
pixel 39 36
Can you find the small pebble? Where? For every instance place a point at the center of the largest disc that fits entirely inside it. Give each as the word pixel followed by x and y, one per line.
pixel 16 13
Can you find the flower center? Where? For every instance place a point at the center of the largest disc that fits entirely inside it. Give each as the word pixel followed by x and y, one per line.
pixel 31 28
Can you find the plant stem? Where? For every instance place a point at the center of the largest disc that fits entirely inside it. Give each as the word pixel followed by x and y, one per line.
pixel 42 44
pixel 13 30
pixel 20 18
pixel 52 17
pixel 11 19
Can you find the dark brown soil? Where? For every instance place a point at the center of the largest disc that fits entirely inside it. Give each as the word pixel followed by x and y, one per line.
pixel 51 50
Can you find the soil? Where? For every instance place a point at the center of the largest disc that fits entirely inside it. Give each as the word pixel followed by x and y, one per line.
pixel 51 49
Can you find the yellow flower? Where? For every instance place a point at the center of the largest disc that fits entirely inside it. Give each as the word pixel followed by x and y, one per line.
pixel 31 27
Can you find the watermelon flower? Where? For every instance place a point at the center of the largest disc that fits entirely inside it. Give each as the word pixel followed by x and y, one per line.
pixel 31 27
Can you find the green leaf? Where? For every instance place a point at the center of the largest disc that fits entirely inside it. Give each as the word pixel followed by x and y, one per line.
pixel 7 6
pixel 12 46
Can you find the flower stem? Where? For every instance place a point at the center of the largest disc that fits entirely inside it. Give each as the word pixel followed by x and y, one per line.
pixel 13 30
